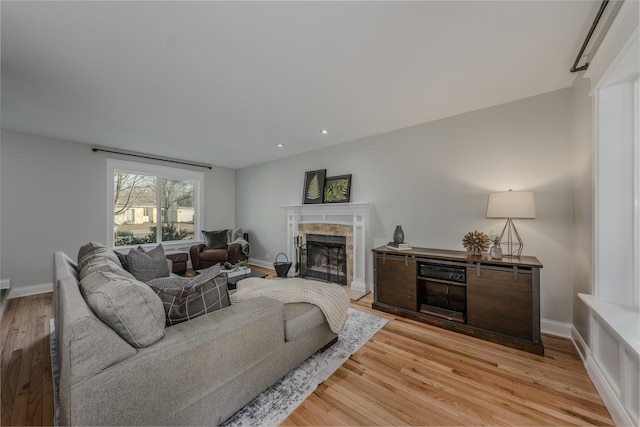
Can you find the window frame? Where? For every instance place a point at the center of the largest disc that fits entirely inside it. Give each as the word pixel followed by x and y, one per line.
pixel 159 172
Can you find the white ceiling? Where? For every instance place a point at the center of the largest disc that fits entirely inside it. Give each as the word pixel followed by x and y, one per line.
pixel 224 82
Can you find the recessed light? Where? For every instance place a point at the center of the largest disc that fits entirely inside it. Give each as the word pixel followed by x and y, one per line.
pixel 324 131
pixel 279 145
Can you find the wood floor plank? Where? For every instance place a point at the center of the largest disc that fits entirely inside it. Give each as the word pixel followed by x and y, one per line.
pixel 48 409
pixel 26 335
pixel 34 400
pixel 9 385
pixel 9 320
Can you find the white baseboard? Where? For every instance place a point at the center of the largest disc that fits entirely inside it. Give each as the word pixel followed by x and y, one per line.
pixel 5 284
pixel 553 327
pixel 263 264
pixel 580 345
pixel 608 394
pixel 24 291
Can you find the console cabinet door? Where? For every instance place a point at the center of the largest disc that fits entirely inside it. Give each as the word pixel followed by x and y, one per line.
pixel 396 281
pixel 496 301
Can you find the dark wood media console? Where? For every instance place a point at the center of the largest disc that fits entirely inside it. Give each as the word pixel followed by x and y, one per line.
pixel 495 300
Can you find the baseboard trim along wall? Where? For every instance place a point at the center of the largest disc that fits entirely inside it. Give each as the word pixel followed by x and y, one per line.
pixel 5 284
pixel 581 346
pixel 24 291
pixel 608 394
pixel 556 328
pixel 606 388
pixel 262 264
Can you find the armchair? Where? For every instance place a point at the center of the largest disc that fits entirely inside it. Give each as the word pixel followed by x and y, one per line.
pixel 201 257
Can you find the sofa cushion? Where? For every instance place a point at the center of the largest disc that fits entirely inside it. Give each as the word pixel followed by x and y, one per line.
pixel 126 305
pixel 299 318
pixel 215 239
pixel 185 299
pixel 103 264
pixel 147 265
pixel 92 250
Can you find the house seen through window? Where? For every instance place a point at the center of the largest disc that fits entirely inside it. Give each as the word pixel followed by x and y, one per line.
pixel 152 204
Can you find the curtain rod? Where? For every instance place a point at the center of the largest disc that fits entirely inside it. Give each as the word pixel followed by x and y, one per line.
pixel 148 156
pixel 588 38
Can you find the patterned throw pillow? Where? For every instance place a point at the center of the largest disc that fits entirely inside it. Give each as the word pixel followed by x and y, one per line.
pixel 185 299
pixel 147 265
pixel 215 239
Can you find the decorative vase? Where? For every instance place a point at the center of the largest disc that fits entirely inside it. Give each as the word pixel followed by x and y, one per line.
pixel 496 251
pixel 398 235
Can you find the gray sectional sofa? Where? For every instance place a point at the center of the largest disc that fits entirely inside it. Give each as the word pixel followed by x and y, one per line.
pixel 199 373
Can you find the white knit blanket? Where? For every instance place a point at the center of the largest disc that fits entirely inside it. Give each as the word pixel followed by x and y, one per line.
pixel 332 299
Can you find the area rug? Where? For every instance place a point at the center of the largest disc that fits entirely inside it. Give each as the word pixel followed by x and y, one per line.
pixel 276 403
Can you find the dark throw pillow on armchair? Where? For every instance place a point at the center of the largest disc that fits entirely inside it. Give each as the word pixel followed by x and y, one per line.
pixel 215 239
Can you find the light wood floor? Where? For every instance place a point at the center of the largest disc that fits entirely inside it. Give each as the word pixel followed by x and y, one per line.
pixel 27 388
pixel 410 373
pixel 407 374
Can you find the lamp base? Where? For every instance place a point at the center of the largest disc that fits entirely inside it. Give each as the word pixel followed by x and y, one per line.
pixel 513 248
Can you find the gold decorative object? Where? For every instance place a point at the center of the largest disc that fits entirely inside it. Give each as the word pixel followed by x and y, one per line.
pixel 476 242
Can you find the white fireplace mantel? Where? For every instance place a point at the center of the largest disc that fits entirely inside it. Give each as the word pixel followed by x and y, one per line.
pixel 354 214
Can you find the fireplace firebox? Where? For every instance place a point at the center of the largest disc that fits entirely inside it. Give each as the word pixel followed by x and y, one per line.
pixel 324 257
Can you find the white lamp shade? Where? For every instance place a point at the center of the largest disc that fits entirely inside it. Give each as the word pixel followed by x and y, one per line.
pixel 511 204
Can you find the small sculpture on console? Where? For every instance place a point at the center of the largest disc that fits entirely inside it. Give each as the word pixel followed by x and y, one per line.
pixel 476 242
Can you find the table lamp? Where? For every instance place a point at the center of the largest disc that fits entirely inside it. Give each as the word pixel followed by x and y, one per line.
pixel 511 205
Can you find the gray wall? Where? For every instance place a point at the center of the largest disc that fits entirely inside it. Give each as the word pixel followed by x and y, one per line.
pixel 434 179
pixel 54 198
pixel 583 203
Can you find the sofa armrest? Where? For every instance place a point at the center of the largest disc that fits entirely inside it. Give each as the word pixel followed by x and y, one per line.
pixel 194 252
pixel 235 253
pixel 193 360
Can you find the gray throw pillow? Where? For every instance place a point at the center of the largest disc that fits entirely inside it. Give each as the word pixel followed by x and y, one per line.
pixel 147 265
pixel 94 250
pixel 127 306
pixel 185 299
pixel 103 264
pixel 215 239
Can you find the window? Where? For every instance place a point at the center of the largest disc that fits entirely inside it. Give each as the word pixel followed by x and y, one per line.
pixel 616 193
pixel 149 204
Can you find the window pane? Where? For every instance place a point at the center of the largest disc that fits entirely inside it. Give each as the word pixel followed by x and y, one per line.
pixel 178 213
pixel 134 209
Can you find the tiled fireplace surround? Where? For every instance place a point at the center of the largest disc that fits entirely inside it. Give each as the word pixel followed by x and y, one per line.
pixel 344 219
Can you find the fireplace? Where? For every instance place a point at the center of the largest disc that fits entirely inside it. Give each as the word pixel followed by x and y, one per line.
pixel 324 257
pixel 350 220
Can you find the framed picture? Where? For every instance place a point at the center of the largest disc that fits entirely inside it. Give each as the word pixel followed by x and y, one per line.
pixel 337 189
pixel 313 186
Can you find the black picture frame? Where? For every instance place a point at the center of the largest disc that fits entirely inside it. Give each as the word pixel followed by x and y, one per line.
pixel 337 189
pixel 313 190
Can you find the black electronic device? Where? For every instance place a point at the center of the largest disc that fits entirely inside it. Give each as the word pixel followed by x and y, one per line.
pixel 443 272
